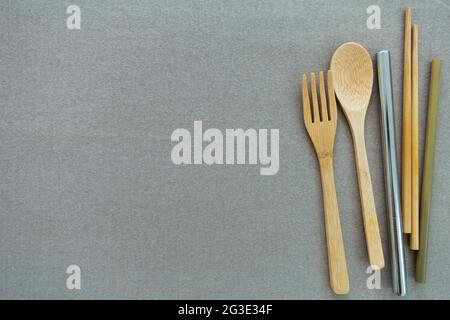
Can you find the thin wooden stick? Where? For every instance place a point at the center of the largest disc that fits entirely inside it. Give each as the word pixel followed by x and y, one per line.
pixel 414 241
pixel 406 141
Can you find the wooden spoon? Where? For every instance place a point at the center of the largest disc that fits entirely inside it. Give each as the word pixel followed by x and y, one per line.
pixel 353 81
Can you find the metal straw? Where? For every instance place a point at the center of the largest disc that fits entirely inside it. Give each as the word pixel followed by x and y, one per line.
pixel 393 201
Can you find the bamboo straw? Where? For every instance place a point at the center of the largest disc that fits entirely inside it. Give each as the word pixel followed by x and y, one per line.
pixel 428 169
pixel 414 241
pixel 406 141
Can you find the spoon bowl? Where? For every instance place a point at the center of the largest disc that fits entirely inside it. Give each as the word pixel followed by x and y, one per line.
pixel 353 82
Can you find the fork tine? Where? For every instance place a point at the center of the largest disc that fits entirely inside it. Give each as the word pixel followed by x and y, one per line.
pixel 306 106
pixel 315 103
pixel 331 97
pixel 323 98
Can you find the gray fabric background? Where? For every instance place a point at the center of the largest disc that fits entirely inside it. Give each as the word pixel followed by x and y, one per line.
pixel 86 176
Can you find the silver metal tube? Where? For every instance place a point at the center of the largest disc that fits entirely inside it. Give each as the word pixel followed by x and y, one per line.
pixel 393 202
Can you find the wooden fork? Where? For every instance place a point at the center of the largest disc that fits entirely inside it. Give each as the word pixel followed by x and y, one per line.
pixel 320 122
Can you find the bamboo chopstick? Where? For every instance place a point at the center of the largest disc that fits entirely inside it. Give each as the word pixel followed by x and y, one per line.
pixel 428 169
pixel 414 240
pixel 406 141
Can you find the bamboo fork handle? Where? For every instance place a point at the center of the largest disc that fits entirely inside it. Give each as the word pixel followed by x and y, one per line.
pixel 372 231
pixel 337 265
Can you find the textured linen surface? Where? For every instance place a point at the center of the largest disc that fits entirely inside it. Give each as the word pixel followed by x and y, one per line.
pixel 86 118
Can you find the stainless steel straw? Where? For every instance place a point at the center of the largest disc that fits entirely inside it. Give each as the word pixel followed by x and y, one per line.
pixel 393 201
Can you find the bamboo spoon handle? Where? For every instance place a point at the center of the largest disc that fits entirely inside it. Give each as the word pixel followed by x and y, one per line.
pixel 372 231
pixel 414 241
pixel 337 265
pixel 406 141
